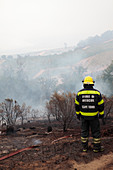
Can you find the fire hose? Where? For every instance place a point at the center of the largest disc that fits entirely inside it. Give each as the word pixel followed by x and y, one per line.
pixel 16 152
pixel 30 147
pixel 64 137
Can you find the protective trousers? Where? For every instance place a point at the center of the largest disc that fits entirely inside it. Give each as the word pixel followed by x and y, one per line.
pixel 94 124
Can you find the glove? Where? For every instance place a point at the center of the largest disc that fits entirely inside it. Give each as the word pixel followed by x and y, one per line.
pixel 78 117
pixel 101 116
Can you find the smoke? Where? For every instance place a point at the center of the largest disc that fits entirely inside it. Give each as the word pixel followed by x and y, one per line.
pixel 19 81
pixel 33 79
pixel 104 88
pixel 36 142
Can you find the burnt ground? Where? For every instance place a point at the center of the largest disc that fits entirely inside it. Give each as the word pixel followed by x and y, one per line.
pixel 49 154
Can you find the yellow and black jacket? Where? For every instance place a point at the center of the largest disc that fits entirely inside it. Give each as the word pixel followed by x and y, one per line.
pixel 89 103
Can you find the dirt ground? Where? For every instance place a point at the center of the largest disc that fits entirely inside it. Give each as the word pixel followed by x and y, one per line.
pixel 53 154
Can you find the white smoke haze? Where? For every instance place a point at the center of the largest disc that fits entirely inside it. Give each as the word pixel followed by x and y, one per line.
pixel 33 25
pixel 48 46
pixel 36 142
pixel 33 79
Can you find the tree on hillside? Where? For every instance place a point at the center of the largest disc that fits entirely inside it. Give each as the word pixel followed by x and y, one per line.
pixel 72 81
pixel 108 73
pixel 61 106
pixel 34 113
pixel 14 77
pixel 108 77
pixel 10 111
pixel 24 111
pixel 20 68
pixel 47 86
pixel 108 106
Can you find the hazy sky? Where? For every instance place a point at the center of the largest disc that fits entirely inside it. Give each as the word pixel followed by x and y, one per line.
pixel 27 25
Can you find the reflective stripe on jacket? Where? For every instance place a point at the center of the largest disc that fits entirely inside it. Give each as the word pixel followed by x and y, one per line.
pixel 89 102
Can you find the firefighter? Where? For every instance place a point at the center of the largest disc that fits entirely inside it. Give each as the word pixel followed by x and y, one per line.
pixel 89 107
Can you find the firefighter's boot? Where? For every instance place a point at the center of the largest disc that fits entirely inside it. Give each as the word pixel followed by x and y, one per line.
pixel 84 141
pixel 97 145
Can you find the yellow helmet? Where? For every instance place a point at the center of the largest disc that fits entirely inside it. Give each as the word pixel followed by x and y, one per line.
pixel 88 80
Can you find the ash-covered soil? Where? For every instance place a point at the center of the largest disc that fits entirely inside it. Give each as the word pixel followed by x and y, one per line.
pixel 51 153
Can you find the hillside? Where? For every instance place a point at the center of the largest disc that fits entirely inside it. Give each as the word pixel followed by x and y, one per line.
pixel 89 54
pixel 40 73
pixel 97 63
pixel 94 63
pixel 94 57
